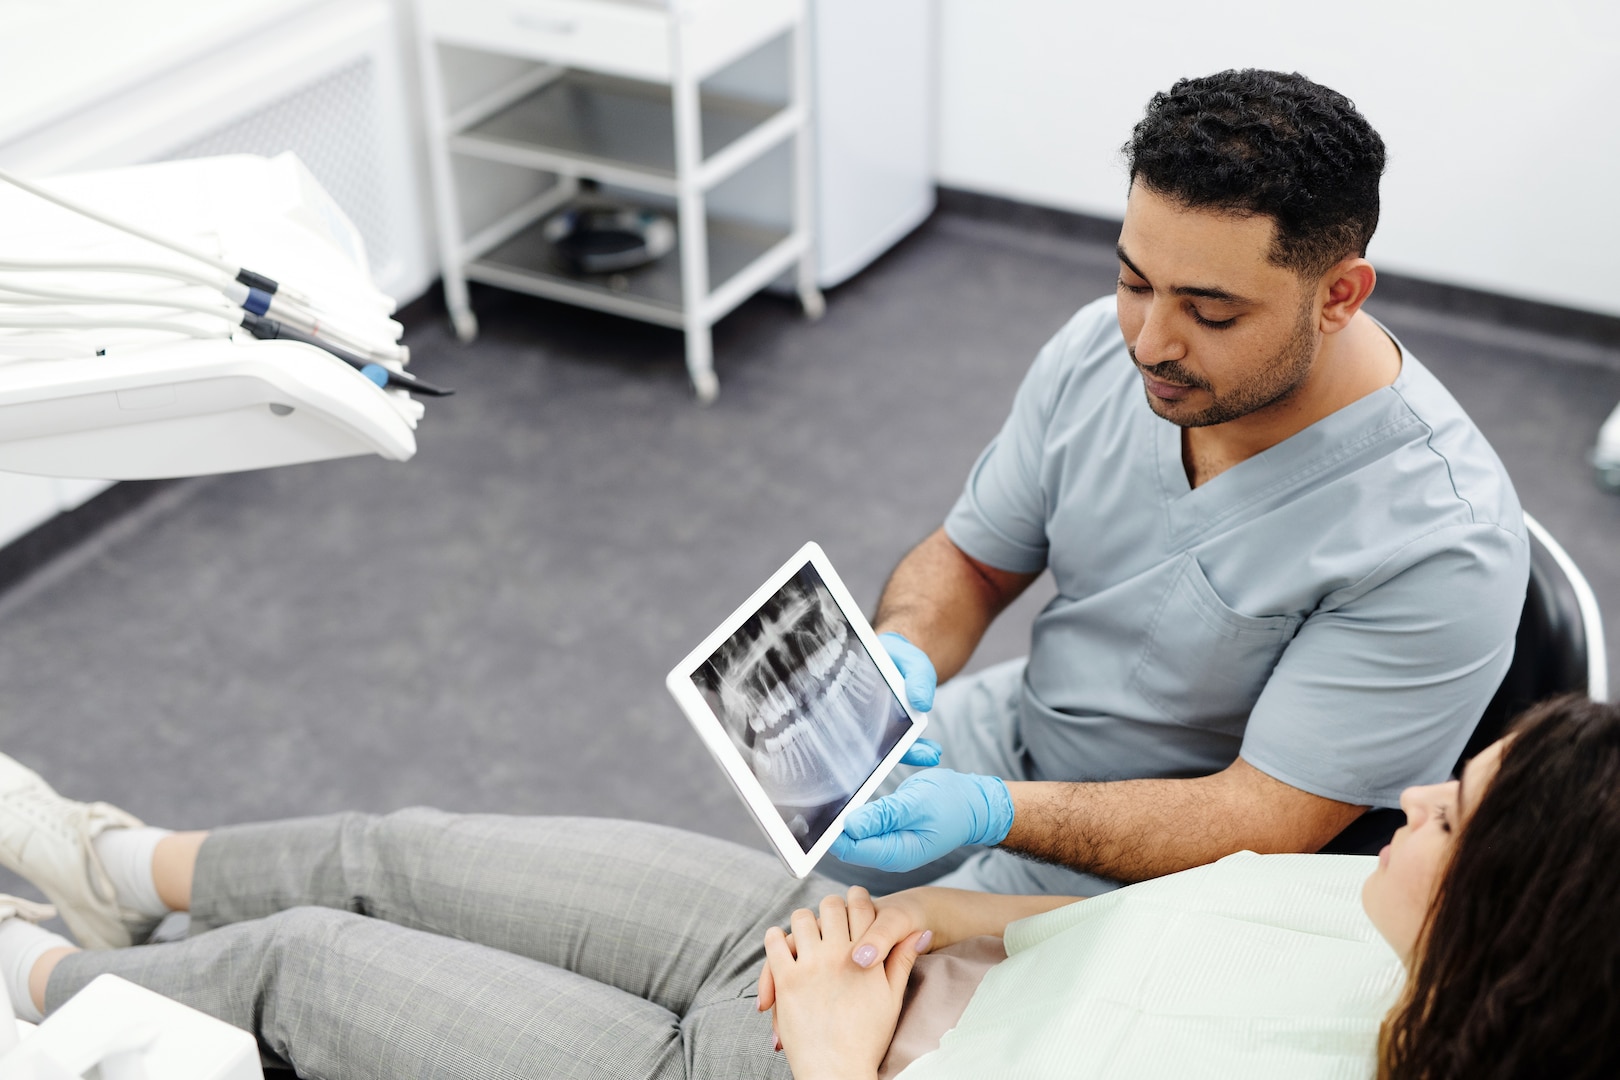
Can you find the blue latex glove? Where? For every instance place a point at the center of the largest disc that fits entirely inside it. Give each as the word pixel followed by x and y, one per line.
pixel 915 668
pixel 932 814
pixel 923 752
pixel 918 671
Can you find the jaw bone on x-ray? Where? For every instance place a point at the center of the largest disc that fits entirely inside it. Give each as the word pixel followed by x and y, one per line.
pixel 803 703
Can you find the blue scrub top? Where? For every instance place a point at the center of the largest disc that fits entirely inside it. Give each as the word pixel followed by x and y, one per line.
pixel 1338 609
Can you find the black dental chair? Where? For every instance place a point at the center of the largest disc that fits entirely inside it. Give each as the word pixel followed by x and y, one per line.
pixel 1558 650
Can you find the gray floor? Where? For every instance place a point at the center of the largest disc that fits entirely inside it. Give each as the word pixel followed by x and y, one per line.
pixel 488 626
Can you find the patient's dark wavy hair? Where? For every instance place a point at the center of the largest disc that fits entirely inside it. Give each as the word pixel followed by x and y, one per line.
pixel 1518 969
pixel 1265 142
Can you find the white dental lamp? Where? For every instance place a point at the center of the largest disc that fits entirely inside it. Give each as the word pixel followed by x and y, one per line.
pixel 136 344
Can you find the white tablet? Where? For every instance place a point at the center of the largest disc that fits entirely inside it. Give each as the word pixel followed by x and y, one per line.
pixel 800 705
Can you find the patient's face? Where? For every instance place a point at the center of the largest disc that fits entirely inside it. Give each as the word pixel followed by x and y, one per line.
pixel 1399 893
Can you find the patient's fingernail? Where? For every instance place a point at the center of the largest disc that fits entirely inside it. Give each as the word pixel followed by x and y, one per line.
pixel 776 1043
pixel 926 940
pixel 865 955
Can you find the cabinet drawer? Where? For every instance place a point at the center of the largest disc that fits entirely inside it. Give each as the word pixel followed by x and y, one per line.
pixel 618 38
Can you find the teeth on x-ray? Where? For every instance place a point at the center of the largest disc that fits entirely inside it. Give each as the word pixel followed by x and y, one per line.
pixel 814 704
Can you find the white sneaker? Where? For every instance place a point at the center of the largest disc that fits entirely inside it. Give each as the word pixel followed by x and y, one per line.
pixel 15 907
pixel 46 839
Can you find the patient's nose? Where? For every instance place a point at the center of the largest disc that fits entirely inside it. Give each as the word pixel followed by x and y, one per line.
pixel 1419 802
pixel 1414 805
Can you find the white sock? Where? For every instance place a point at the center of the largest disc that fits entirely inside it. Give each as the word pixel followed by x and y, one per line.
pixel 21 945
pixel 127 855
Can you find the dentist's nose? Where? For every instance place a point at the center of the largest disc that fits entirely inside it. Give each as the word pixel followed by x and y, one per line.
pixel 1157 340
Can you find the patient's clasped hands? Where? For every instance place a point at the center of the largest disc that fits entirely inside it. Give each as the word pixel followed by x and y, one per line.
pixel 834 1015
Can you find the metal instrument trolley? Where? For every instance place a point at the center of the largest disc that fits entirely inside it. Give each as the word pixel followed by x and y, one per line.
pixel 532 104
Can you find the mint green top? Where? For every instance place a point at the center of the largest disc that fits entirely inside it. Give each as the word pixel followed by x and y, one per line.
pixel 1256 966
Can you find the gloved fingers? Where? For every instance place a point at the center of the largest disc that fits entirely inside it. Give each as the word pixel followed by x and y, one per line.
pixel 908 806
pixel 878 816
pixel 892 851
pixel 915 668
pixel 923 752
pixel 920 687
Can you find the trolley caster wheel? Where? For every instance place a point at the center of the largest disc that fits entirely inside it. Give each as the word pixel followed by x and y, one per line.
pixel 466 326
pixel 814 304
pixel 706 385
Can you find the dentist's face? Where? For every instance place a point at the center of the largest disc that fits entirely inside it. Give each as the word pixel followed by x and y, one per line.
pixel 1400 892
pixel 1217 330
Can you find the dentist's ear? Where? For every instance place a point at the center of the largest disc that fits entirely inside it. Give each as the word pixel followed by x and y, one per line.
pixel 1343 290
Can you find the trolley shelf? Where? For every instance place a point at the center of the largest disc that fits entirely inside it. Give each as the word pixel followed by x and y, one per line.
pixel 528 263
pixel 613 129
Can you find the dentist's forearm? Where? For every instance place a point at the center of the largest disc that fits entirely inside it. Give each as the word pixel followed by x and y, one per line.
pixel 1131 830
pixel 942 600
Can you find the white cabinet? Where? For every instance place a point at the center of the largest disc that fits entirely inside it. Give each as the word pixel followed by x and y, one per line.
pixel 874 124
pixel 532 103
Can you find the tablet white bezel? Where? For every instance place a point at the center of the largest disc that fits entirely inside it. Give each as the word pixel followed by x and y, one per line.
pixel 713 732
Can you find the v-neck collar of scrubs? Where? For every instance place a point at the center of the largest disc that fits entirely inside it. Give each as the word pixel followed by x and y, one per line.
pixel 1360 428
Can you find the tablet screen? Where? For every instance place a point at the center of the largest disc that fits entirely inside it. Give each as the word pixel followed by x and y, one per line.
pixel 803 703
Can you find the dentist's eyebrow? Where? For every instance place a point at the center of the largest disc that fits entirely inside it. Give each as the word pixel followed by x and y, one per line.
pixel 1207 292
pixel 1119 250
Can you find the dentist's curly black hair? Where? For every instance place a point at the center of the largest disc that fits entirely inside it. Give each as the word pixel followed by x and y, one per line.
pixel 1265 142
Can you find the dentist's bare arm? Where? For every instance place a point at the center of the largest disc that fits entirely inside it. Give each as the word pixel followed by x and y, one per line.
pixel 942 600
pixel 1130 830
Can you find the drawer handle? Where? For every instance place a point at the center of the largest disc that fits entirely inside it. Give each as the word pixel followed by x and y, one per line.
pixel 545 25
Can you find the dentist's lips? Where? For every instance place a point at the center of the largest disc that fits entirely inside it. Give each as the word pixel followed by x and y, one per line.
pixel 1167 391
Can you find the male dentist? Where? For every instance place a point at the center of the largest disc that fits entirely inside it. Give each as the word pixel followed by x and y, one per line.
pixel 1289 568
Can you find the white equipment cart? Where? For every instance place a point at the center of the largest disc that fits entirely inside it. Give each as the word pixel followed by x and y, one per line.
pixel 530 104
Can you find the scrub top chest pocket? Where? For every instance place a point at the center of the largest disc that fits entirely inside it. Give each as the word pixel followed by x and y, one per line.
pixel 1204 664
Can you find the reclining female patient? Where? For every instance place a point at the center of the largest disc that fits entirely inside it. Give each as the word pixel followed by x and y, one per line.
pixel 426 945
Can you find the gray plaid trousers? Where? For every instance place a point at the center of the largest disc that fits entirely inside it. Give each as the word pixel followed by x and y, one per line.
pixel 424 945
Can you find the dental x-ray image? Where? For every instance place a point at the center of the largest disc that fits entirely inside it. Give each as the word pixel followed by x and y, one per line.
pixel 804 704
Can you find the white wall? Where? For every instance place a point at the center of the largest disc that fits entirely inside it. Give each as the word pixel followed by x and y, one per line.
pixel 1502 118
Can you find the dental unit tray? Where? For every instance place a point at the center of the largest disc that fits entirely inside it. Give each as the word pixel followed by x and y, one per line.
pixel 135 343
pixel 800 706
